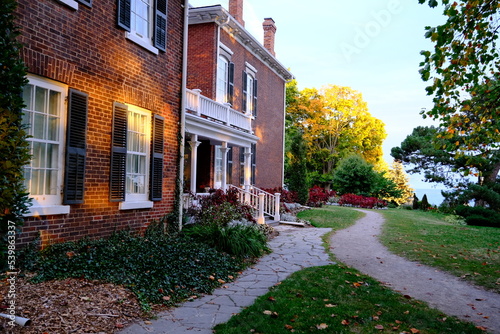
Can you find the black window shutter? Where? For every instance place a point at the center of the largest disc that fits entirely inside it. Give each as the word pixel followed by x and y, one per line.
pixel 156 174
pixel 160 31
pixel 124 8
pixel 254 163
pixel 76 145
pixel 254 111
pixel 242 165
pixel 230 86
pixel 86 2
pixel 118 153
pixel 244 108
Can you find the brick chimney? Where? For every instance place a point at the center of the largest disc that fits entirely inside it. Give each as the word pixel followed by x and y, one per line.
pixel 236 10
pixel 269 32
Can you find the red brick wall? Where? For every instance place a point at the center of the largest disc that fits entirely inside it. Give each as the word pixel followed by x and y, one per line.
pixel 269 123
pixel 85 50
pixel 202 58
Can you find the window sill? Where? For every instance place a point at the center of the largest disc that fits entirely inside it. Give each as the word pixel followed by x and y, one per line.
pixel 141 42
pixel 136 205
pixel 48 210
pixel 70 3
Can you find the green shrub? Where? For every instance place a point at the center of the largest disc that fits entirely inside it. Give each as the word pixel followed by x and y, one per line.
pixel 415 203
pixel 424 205
pixel 159 269
pixel 240 240
pixel 479 216
pixel 14 149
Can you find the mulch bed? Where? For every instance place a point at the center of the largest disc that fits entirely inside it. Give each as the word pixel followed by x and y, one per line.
pixel 70 306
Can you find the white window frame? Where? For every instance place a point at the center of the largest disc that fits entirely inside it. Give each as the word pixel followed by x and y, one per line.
pixel 250 94
pixel 251 72
pixel 144 41
pixel 217 167
pixel 70 3
pixel 222 79
pixel 138 200
pixel 46 204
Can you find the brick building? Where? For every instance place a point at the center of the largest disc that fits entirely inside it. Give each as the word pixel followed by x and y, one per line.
pixel 235 103
pixel 104 106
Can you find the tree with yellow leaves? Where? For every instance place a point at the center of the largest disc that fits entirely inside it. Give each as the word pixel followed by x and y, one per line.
pixel 336 123
pixel 398 175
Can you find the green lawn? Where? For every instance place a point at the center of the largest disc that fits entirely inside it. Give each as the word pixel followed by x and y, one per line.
pixel 338 299
pixel 470 252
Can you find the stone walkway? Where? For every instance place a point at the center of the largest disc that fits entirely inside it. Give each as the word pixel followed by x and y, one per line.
pixel 358 247
pixel 293 250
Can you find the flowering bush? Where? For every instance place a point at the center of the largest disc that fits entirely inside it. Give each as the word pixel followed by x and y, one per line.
pixel 221 208
pixel 361 201
pixel 319 196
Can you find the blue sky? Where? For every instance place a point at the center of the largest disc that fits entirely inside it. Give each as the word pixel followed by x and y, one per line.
pixel 372 46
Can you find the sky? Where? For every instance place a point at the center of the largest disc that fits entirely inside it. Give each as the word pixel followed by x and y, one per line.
pixel 372 46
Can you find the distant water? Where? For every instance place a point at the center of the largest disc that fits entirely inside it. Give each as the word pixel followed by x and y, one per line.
pixel 434 196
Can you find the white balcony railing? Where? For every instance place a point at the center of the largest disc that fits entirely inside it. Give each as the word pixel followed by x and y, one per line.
pixel 202 106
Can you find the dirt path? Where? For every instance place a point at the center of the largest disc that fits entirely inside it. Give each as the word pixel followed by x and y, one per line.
pixel 358 246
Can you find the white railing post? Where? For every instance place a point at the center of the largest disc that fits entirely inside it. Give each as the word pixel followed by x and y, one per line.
pixel 198 102
pixel 260 217
pixel 228 110
pixel 277 206
pixel 247 194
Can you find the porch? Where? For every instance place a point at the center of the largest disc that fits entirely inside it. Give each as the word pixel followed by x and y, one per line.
pixel 219 145
pixel 265 205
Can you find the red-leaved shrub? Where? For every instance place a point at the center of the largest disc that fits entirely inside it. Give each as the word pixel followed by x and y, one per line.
pixel 319 196
pixel 361 201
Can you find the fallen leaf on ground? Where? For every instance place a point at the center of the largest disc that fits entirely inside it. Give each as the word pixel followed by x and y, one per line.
pixel 379 327
pixel 322 326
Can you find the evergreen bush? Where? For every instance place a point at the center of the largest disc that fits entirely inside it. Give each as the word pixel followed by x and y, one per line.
pixel 424 205
pixel 14 149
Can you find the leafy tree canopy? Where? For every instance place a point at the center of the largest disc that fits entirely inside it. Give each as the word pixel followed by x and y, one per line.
pixel 354 175
pixel 463 72
pixel 335 123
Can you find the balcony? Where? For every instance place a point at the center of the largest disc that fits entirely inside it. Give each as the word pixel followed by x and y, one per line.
pixel 200 106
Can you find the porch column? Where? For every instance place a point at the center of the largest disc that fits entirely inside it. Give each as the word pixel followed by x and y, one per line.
pixel 194 143
pixel 248 168
pixel 224 149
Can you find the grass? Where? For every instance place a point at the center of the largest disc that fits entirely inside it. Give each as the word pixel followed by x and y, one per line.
pixel 470 252
pixel 335 217
pixel 338 299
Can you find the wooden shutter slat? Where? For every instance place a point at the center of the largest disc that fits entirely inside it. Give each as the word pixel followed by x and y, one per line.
pixel 160 24
pixel 156 174
pixel 244 108
pixel 124 13
pixel 76 144
pixel 118 153
pixel 230 86
pixel 254 111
